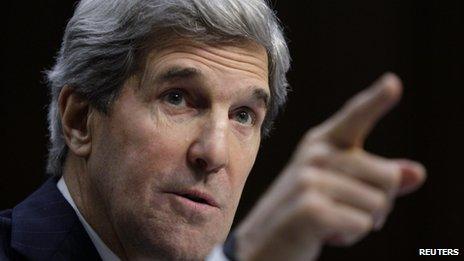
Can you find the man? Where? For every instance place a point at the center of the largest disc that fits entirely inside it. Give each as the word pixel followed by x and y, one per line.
pixel 157 113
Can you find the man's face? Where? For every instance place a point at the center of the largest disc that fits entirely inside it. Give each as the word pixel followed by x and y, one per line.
pixel 171 159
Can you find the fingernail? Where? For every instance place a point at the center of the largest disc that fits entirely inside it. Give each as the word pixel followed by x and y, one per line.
pixel 413 175
pixel 417 168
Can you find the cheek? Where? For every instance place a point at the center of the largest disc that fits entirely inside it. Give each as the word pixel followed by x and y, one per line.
pixel 243 156
pixel 154 145
pixel 138 149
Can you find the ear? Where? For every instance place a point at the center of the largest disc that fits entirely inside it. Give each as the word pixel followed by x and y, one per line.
pixel 75 114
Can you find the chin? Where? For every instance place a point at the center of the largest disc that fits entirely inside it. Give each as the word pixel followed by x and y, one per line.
pixel 187 243
pixel 176 247
pixel 175 240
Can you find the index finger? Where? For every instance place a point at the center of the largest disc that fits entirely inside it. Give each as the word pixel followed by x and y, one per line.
pixel 350 126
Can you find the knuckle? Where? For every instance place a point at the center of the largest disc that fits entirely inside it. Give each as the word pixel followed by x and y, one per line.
pixel 313 135
pixel 393 180
pixel 313 207
pixel 361 225
pixel 364 225
pixel 306 180
pixel 352 239
pixel 381 202
pixel 320 155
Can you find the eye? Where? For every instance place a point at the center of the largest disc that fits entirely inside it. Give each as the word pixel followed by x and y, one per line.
pixel 245 116
pixel 175 97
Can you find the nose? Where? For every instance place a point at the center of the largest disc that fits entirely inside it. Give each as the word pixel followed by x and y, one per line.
pixel 209 153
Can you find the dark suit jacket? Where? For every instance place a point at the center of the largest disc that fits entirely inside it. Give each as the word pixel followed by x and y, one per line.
pixel 44 227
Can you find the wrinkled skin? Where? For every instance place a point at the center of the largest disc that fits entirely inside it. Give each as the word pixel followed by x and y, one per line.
pixel 192 120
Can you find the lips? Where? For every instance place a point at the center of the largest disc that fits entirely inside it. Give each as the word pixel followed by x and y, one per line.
pixel 197 197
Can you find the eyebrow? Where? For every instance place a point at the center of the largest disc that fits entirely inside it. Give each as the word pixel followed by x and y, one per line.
pixel 182 73
pixel 260 94
pixel 177 73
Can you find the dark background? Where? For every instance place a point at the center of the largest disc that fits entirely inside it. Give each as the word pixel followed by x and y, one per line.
pixel 338 48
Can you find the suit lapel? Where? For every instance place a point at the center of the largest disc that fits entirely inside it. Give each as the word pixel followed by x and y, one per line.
pixel 45 227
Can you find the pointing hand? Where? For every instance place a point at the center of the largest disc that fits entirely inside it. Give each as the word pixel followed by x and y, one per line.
pixel 332 191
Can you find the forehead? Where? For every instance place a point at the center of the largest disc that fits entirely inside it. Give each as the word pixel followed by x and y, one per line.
pixel 245 59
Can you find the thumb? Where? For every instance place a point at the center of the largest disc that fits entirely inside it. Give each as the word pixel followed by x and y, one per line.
pixel 413 175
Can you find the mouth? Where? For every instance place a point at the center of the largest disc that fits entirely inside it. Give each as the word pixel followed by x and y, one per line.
pixel 197 197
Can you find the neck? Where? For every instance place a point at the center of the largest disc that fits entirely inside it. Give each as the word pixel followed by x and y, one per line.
pixel 91 204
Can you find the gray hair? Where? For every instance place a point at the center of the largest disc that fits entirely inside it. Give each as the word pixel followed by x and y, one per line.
pixel 102 41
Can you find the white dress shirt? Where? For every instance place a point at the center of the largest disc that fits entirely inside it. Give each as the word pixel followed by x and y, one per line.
pixel 103 250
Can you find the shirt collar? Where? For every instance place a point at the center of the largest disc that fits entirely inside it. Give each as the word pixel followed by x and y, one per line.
pixel 105 252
